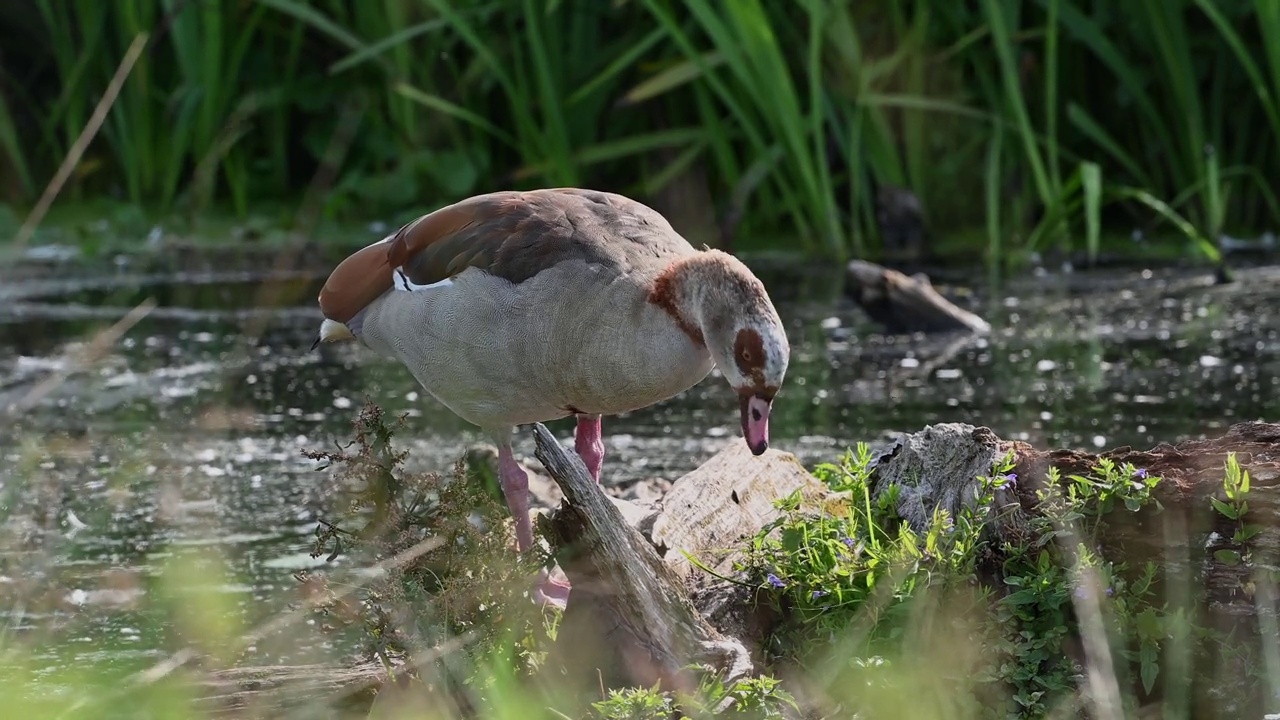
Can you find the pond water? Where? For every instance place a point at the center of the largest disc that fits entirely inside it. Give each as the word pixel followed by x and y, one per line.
pixel 188 430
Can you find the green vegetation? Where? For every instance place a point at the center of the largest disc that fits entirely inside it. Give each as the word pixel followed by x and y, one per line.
pixel 992 613
pixel 1021 125
pixel 857 573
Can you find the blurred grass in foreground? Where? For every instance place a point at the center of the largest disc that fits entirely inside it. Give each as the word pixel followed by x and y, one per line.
pixel 873 619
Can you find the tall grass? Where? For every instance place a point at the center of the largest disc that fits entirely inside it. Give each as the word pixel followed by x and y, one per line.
pixel 1100 118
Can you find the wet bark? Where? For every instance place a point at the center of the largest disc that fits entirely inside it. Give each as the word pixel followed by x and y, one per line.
pixel 905 304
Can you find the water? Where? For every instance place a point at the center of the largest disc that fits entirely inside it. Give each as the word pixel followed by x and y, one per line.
pixel 189 431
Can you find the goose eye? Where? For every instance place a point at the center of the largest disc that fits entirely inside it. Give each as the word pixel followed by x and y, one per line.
pixel 748 353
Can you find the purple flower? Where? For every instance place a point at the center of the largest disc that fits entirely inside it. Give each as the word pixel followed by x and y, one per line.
pixel 1010 480
pixel 818 593
pixel 775 581
pixel 848 541
pixel 1140 473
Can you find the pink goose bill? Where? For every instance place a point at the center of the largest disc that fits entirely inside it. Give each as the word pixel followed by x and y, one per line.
pixel 755 422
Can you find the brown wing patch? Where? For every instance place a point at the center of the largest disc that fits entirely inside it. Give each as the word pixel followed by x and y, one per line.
pixel 357 281
pixel 416 248
pixel 364 275
pixel 748 355
pixel 513 235
pixel 516 235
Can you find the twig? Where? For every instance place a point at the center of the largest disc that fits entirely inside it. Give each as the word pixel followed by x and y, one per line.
pixel 82 142
pixel 92 352
pixel 309 211
pixel 419 661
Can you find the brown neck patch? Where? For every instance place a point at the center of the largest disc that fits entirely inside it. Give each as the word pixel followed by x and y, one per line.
pixel 666 295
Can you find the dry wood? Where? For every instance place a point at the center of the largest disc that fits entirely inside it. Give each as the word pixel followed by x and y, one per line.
pixel 938 466
pixel 906 304
pixel 631 597
pixel 709 515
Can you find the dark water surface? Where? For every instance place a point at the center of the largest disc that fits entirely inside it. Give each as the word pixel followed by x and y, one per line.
pixel 187 433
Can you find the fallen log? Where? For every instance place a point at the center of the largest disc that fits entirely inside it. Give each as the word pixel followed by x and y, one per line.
pixel 905 304
pixel 632 599
pixel 633 567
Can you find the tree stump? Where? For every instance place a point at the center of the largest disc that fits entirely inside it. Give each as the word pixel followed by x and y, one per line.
pixel 939 466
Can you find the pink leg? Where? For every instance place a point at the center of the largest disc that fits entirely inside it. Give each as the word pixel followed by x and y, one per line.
pixel 589 444
pixel 515 487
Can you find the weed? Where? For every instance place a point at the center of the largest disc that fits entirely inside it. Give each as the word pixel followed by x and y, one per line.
pixel 1235 486
pixel 468 581
pixel 636 704
pixel 853 568
pixel 755 698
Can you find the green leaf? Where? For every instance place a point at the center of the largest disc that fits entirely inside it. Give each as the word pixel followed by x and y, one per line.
pixel 374 51
pixel 1226 510
pixel 1091 184
pixel 317 20
pixel 1227 557
pixel 438 103
pixel 673 77
pixel 1149 660
pixel 1247 533
pixel 1208 248
pixel 624 147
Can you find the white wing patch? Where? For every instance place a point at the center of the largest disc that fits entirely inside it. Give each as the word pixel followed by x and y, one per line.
pixel 402 282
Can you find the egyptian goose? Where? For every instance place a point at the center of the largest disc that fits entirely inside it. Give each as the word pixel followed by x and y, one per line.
pixel 512 308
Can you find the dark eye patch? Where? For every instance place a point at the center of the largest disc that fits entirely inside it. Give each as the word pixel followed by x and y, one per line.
pixel 748 354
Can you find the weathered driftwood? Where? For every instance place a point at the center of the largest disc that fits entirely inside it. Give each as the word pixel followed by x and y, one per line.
pixel 905 304
pixel 709 514
pixel 938 467
pixel 635 602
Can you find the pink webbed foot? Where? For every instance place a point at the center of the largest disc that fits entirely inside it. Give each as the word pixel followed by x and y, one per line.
pixel 589 445
pixel 551 588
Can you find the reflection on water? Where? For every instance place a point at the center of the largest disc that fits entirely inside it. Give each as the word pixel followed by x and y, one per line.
pixel 188 433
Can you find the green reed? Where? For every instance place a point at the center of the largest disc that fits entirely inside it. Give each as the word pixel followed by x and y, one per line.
pixel 1075 120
